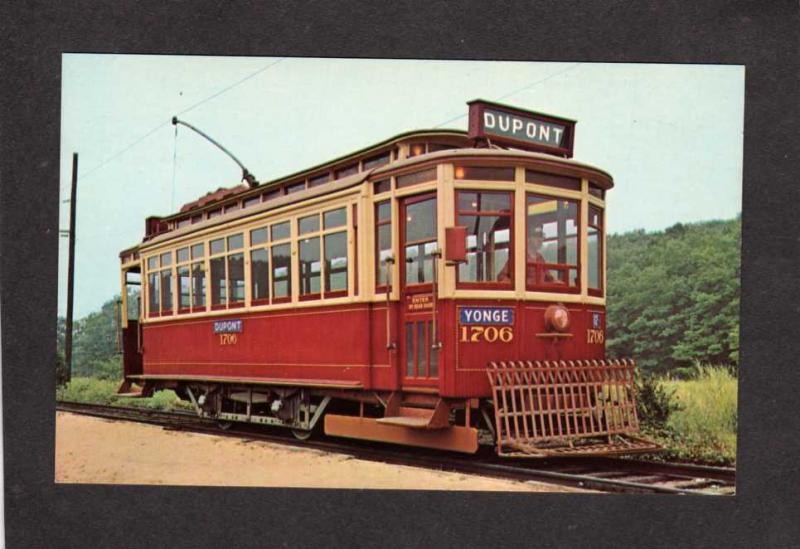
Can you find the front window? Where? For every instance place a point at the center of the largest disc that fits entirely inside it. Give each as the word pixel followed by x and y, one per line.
pixel 487 217
pixel 552 244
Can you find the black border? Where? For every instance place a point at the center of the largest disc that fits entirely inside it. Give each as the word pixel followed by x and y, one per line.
pixel 762 36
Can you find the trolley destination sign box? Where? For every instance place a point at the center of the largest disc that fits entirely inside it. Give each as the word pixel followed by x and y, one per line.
pixel 522 129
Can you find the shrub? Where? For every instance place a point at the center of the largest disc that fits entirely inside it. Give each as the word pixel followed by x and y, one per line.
pixel 104 391
pixel 655 403
pixel 61 369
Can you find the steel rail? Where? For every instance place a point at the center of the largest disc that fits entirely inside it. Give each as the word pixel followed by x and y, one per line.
pixel 590 473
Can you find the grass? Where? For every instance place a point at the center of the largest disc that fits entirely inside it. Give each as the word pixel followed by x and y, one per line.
pixel 704 428
pixel 103 391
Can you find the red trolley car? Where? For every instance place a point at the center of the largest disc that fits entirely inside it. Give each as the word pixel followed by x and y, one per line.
pixel 441 289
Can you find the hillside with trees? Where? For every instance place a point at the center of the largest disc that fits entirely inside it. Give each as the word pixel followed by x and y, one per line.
pixel 673 296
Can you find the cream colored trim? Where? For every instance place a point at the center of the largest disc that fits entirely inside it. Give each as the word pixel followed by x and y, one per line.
pixel 566 298
pixel 255 218
pixel 442 212
pixel 294 260
pixel 367 259
pixel 597 201
pixel 238 311
pixel 207 273
pixel 395 293
pixel 245 228
pixel 605 264
pixel 484 294
pixel 583 228
pixel 416 189
pixel 520 233
pixel 351 246
pixel 248 283
pixel 124 296
pixel 447 200
pixel 486 185
pixel 552 191
pixel 402 152
pixel 512 156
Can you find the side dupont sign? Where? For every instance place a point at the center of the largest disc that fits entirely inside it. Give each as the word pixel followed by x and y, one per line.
pixel 522 129
pixel 227 326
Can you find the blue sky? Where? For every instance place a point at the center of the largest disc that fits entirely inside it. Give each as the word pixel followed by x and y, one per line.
pixel 670 135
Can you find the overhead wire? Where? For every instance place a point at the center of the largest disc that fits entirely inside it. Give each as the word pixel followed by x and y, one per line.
pixel 509 94
pixel 191 107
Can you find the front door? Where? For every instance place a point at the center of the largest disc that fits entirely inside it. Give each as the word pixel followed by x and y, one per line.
pixel 419 357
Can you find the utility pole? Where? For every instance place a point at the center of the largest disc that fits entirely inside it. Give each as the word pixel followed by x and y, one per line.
pixel 71 268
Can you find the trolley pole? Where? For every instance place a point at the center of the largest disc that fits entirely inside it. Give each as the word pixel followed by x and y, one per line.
pixel 71 268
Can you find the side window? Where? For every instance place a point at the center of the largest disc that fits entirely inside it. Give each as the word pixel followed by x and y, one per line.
pixel 227 271
pixel 281 262
pixel 166 283
pixel 309 265
pixel 383 240
pixel 552 244
pixel 159 284
pixel 322 254
pixel 488 218
pixel 183 271
pixel 235 269
pixel 334 243
pixel 198 277
pixel 259 266
pixel 153 287
pixel 595 244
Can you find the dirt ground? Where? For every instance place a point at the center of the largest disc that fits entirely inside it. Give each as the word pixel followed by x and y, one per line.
pixel 93 450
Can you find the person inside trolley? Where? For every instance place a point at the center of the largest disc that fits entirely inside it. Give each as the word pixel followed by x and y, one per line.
pixel 536 271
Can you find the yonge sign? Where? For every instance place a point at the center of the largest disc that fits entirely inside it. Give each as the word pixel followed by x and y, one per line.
pixel 521 129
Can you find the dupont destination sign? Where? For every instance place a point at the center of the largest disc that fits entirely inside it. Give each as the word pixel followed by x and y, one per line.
pixel 521 129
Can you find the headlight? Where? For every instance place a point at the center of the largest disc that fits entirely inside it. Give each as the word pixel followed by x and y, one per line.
pixel 556 318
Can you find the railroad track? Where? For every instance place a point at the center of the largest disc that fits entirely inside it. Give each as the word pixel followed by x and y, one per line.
pixel 604 474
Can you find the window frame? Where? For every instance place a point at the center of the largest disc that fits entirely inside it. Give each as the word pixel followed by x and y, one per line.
pixel 555 287
pixel 378 223
pixel 600 290
pixel 416 287
pixel 273 243
pixel 321 232
pixel 493 285
pixel 266 246
pixel 187 263
pixel 225 254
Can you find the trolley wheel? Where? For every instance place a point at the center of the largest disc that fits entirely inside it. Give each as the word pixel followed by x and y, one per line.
pixel 224 425
pixel 301 434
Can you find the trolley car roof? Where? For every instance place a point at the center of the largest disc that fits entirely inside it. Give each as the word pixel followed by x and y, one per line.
pixel 543 161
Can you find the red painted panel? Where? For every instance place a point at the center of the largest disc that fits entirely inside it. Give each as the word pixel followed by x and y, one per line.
pixel 348 343
pixel 467 360
pixel 327 343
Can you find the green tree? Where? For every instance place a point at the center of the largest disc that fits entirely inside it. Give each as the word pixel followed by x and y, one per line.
pixel 95 348
pixel 673 296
